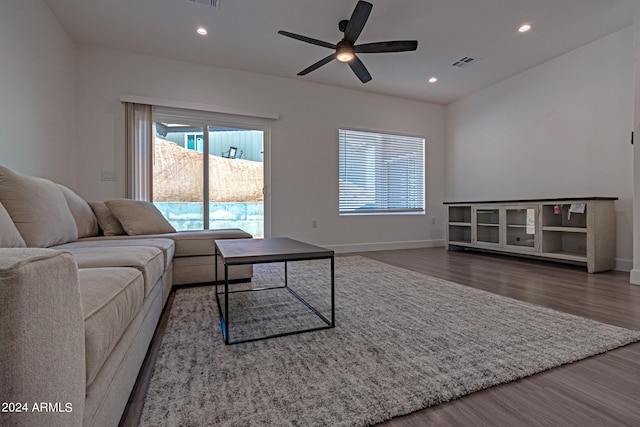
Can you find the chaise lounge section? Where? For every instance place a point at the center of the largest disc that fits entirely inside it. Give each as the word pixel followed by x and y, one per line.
pixel 82 287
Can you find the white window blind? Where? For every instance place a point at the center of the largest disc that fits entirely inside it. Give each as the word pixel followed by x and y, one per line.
pixel 380 173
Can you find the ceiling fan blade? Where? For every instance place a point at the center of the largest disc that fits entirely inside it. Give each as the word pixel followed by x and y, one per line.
pixel 307 39
pixel 394 46
pixel 358 19
pixel 318 64
pixel 359 69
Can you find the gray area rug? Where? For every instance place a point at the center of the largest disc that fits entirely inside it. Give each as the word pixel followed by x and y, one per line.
pixel 403 341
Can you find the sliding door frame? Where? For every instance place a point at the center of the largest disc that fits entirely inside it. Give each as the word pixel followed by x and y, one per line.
pixel 205 120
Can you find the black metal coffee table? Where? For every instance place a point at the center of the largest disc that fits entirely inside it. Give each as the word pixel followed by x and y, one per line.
pixel 260 251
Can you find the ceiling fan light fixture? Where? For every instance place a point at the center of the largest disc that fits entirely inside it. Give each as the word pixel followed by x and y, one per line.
pixel 344 54
pixel 524 28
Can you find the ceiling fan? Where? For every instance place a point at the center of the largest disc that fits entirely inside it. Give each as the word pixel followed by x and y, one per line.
pixel 346 49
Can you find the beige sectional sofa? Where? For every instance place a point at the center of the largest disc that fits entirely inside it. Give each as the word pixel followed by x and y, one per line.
pixel 82 287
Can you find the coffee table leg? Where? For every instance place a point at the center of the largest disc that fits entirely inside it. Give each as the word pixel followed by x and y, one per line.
pixel 333 299
pixel 226 304
pixel 223 315
pixel 215 271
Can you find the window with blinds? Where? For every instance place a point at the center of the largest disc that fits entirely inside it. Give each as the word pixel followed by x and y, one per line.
pixel 380 173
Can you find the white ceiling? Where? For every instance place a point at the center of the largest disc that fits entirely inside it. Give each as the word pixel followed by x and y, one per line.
pixel 243 36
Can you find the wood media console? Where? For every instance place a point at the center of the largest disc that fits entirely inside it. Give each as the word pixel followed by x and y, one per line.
pixel 576 230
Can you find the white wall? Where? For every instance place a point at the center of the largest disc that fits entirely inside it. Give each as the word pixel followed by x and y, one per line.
pixel 561 129
pixel 635 273
pixel 37 92
pixel 304 147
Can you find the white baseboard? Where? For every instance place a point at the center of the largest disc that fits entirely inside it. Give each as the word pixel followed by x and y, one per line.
pixel 634 277
pixel 384 246
pixel 625 265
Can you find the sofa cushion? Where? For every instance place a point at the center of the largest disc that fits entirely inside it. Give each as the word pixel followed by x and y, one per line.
pixel 9 235
pixel 111 298
pixel 86 221
pixel 189 243
pixel 139 217
pixel 149 261
pixel 108 223
pixel 38 209
pixel 167 246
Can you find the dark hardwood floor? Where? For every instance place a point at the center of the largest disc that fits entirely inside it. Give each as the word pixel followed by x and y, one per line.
pixel 603 390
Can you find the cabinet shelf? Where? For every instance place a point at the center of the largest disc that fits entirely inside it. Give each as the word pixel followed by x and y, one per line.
pixel 570 230
pixel 565 229
pixel 568 256
pixel 559 242
pixel 459 232
pixel 560 215
pixel 460 214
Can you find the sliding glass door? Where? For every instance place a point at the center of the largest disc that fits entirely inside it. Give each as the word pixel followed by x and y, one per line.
pixel 236 179
pixel 209 175
pixel 178 180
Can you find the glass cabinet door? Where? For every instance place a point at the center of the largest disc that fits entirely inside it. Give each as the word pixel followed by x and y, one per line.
pixel 487 225
pixel 520 227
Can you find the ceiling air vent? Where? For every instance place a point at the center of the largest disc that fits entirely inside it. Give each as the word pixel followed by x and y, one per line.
pixel 464 62
pixel 210 3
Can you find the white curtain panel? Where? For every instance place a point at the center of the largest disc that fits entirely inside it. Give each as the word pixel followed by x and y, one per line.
pixel 139 133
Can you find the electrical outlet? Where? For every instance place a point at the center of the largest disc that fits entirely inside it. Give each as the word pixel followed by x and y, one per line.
pixel 314 223
pixel 433 221
pixel 108 176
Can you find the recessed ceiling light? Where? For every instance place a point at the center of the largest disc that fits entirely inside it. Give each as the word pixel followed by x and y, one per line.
pixel 524 28
pixel 202 31
pixel 433 79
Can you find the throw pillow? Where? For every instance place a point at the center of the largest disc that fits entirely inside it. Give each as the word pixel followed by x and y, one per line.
pixel 108 223
pixel 38 209
pixel 85 219
pixel 139 217
pixel 9 235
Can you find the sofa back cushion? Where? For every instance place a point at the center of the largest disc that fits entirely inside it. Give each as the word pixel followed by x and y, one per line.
pixel 38 209
pixel 86 221
pixel 139 217
pixel 9 235
pixel 108 223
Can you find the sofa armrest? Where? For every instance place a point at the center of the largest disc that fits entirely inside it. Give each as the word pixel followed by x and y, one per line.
pixel 42 358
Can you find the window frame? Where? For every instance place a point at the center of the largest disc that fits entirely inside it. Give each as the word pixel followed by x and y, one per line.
pixel 393 157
